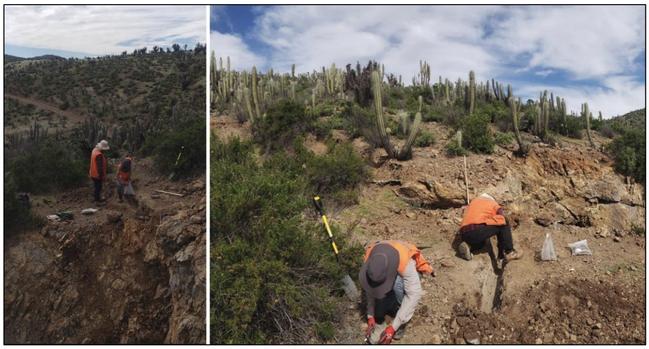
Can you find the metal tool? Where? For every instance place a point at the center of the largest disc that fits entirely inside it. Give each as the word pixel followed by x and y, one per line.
pixel 348 284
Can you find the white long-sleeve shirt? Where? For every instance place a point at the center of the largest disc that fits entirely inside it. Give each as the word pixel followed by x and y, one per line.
pixel 412 295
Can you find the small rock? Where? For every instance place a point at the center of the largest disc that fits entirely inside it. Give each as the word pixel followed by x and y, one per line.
pixel 197 219
pixel 573 337
pixel 596 332
pixel 410 215
pixel 113 216
pixel 435 339
pixel 363 221
pixel 538 341
pixel 474 341
pixel 617 239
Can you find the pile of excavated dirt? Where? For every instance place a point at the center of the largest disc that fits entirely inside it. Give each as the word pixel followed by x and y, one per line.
pixel 569 311
pixel 126 274
pixel 569 191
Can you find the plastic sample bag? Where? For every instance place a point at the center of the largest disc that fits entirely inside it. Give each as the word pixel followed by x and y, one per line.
pixel 580 248
pixel 547 252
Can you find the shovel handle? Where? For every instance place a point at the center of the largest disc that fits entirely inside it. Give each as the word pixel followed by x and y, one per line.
pixel 320 208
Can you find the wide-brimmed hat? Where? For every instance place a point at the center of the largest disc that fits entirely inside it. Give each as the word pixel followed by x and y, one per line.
pixel 379 272
pixel 103 145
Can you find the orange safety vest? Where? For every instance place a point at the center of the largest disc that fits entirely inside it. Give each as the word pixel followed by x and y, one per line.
pixel 483 211
pixel 93 164
pixel 407 251
pixel 123 176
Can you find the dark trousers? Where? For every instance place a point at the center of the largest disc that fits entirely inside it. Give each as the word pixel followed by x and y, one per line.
pixel 477 237
pixel 386 306
pixel 98 183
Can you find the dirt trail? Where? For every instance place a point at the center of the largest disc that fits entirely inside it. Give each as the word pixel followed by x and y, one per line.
pixel 572 300
pixel 127 274
pixel 73 117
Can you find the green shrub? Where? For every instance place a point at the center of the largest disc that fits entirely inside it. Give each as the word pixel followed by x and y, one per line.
pixel 340 169
pixel 186 139
pixel 323 126
pixel 453 148
pixel 17 215
pixel 476 134
pixel 503 138
pixel 48 166
pixel 629 152
pixel 284 121
pixel 273 277
pixel 424 139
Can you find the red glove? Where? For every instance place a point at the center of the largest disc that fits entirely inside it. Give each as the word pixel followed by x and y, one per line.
pixel 386 336
pixel 370 326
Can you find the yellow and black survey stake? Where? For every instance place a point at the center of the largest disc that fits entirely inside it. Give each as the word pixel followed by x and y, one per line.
pixel 318 206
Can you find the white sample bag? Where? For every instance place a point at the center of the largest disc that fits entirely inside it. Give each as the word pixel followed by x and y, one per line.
pixel 580 248
pixel 547 252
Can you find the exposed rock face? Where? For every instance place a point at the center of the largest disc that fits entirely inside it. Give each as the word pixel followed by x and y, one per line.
pixel 122 280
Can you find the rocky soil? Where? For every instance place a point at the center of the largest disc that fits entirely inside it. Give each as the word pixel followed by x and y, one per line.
pixel 569 190
pixel 127 274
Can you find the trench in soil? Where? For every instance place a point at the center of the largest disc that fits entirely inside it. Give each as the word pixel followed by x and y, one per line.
pixel 492 282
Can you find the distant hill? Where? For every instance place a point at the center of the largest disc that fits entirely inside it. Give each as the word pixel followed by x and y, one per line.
pixel 48 57
pixel 10 58
pixel 633 119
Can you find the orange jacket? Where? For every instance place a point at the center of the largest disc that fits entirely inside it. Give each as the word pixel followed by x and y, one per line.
pixel 124 176
pixel 483 211
pixel 407 251
pixel 97 168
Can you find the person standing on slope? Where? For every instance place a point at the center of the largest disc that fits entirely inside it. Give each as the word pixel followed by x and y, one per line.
pixel 484 218
pixel 98 165
pixel 124 186
pixel 390 278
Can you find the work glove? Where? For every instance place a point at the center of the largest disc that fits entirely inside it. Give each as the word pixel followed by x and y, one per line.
pixel 386 336
pixel 370 326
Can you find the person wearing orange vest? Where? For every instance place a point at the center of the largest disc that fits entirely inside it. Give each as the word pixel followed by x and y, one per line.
pixel 390 278
pixel 124 186
pixel 98 165
pixel 484 218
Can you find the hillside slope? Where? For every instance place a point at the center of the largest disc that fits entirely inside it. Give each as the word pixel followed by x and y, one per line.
pixel 577 299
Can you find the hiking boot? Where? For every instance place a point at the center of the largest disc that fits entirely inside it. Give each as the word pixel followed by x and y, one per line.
pixel 513 255
pixel 464 251
pixel 400 333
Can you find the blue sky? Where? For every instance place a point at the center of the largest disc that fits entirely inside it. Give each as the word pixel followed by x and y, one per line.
pixel 80 31
pixel 591 54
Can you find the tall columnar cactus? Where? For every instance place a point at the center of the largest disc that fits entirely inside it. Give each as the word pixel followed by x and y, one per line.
pixel 471 94
pixel 255 95
pixel 601 118
pixel 293 70
pixel 564 115
pixel 406 150
pixel 424 74
pixel 522 147
pixel 380 120
pixel 546 119
pixel 587 115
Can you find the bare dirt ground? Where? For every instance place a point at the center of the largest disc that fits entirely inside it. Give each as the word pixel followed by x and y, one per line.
pixel 568 190
pixel 126 274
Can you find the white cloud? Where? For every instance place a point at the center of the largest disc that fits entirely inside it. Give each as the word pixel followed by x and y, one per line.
pixel 314 36
pixel 586 41
pixel 228 45
pixel 103 29
pixel 616 96
pixel 591 48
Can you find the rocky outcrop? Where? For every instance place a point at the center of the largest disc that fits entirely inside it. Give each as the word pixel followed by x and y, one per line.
pixel 113 278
